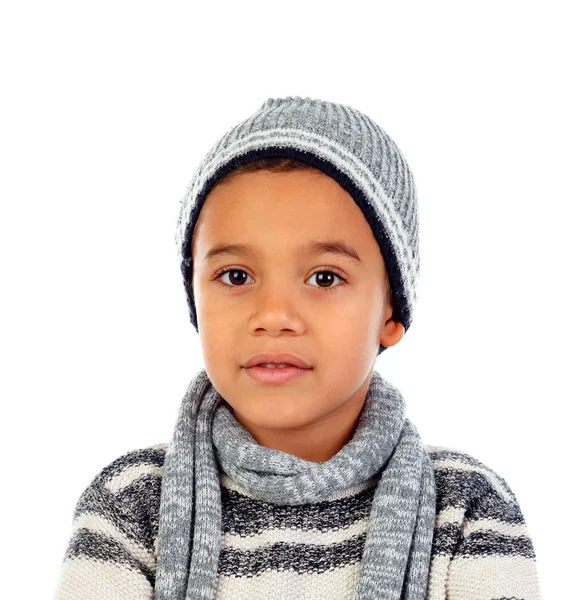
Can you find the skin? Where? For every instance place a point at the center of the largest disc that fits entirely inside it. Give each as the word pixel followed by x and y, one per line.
pixel 279 304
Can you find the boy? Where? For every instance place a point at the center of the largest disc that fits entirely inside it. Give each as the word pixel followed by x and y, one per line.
pixel 293 471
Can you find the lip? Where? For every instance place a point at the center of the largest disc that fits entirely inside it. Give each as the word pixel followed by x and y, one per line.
pixel 276 375
pixel 281 357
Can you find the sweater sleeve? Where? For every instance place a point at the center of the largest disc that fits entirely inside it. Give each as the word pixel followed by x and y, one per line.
pixel 494 557
pixel 110 554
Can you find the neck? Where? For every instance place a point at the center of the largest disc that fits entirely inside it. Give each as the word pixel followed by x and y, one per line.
pixel 317 442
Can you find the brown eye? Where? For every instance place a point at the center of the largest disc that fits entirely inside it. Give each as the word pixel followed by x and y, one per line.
pixel 235 276
pixel 324 278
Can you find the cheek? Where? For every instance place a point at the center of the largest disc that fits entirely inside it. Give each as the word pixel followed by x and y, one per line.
pixel 217 338
pixel 349 324
pixel 212 309
pixel 350 344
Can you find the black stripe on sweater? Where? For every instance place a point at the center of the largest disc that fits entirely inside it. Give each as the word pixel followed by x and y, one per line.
pixel 448 541
pixel 246 516
pixel 473 492
pixel 467 459
pixel 99 546
pixel 445 539
pixel 142 499
pixel 144 456
pixel 486 542
pixel 298 558
pixel 100 501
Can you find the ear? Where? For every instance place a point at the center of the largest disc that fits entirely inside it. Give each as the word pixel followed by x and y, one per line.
pixel 392 332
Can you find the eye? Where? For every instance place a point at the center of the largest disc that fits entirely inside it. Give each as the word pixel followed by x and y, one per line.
pixel 231 278
pixel 329 271
pixel 330 274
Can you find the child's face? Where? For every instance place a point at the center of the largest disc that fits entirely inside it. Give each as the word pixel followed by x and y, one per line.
pixel 274 301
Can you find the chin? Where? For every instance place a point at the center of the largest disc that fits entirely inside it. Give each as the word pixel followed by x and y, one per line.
pixel 294 418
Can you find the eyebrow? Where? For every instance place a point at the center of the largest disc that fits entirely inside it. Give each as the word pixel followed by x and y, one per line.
pixel 337 247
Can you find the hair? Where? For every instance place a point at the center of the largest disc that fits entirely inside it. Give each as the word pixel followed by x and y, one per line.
pixel 277 164
pixel 280 164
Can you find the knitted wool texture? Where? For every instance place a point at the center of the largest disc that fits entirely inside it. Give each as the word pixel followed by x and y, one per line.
pixel 481 546
pixel 207 437
pixel 345 144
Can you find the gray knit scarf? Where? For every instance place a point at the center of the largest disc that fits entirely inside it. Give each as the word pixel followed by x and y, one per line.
pixel 207 436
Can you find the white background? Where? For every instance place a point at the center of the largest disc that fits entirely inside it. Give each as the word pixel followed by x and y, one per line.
pixel 106 109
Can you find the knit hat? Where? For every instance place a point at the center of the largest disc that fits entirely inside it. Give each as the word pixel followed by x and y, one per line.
pixel 345 144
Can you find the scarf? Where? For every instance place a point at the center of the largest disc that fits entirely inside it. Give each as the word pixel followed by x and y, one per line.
pixel 207 437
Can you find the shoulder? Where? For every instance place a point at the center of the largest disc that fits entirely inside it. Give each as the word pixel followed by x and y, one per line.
pixel 112 544
pixel 131 467
pixel 477 513
pixel 461 476
pixel 134 479
pixel 127 491
pixel 481 540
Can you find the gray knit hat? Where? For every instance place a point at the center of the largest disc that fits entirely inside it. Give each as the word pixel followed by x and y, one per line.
pixel 346 145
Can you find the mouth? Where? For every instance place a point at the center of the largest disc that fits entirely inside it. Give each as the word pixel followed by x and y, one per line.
pixel 283 374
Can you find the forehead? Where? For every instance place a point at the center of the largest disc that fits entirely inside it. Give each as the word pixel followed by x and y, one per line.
pixel 302 207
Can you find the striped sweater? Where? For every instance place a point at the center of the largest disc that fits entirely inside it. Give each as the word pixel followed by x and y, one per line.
pixel 481 548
